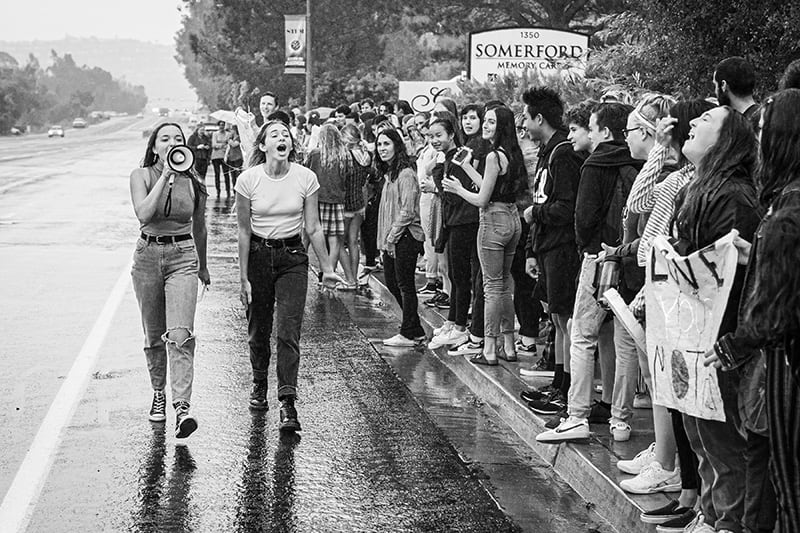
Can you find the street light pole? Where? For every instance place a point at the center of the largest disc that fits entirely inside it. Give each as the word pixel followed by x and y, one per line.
pixel 308 55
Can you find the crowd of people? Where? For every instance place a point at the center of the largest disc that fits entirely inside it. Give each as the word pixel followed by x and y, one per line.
pixel 513 218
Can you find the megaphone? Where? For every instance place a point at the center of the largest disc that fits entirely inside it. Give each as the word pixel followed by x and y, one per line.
pixel 180 158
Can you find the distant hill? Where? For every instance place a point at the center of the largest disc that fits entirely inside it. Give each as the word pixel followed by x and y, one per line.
pixel 140 63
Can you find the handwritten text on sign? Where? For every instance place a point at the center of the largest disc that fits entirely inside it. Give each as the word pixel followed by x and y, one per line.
pixel 685 301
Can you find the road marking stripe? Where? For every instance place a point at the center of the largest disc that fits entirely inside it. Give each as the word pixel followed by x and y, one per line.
pixel 20 500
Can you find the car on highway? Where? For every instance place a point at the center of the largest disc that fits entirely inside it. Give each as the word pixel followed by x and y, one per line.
pixel 55 131
pixel 79 123
pixel 17 130
pixel 139 115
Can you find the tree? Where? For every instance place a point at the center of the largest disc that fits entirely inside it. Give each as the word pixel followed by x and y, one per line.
pixel 673 45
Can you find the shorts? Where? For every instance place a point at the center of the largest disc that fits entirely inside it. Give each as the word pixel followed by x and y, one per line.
pixel 331 216
pixel 559 269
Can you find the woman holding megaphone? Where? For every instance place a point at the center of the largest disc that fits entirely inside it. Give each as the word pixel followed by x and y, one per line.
pixel 169 201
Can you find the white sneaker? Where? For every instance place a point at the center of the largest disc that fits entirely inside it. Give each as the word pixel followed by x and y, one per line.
pixel 642 459
pixel 444 328
pixel 698 525
pixel 449 338
pixel 400 341
pixel 653 478
pixel 620 431
pixel 571 428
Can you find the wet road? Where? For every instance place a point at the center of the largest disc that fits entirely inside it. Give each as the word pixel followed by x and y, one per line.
pixel 373 456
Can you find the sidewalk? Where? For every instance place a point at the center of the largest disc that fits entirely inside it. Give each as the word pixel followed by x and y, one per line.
pixel 590 469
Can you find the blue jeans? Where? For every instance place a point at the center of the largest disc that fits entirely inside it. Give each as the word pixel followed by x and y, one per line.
pixel 165 283
pixel 277 275
pixel 498 234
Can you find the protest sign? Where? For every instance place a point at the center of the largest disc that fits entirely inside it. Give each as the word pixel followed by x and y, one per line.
pixel 685 301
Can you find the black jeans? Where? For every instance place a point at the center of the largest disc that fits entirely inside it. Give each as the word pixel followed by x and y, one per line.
pixel 476 324
pixel 369 232
pixel 277 274
pixel 527 308
pixel 399 274
pixel 760 504
pixel 219 168
pixel 201 167
pixel 690 478
pixel 720 450
pixel 462 255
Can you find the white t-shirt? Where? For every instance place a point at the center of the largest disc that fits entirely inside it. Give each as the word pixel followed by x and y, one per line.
pixel 276 206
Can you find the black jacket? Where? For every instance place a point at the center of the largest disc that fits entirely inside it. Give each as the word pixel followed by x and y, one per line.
pixel 606 179
pixel 734 204
pixel 456 210
pixel 196 139
pixel 555 188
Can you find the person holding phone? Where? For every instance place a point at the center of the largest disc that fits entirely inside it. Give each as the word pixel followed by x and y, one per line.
pixel 170 256
pixel 499 228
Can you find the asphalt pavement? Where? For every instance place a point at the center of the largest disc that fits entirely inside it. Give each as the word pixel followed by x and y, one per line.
pixel 392 441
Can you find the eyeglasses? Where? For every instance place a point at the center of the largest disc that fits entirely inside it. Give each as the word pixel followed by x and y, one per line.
pixel 626 131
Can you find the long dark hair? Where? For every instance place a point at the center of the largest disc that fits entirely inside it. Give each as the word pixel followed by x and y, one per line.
pixel 685 112
pixel 400 160
pixel 773 306
pixel 780 144
pixel 505 140
pixel 734 154
pixel 257 157
pixel 151 158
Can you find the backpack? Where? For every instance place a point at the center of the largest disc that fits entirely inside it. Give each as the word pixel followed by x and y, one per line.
pixel 619 197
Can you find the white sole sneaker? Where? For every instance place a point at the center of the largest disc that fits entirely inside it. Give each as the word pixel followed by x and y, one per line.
pixel 568 430
pixel 398 341
pixel 643 458
pixel 620 431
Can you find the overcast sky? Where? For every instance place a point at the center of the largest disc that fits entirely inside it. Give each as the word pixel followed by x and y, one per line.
pixel 144 20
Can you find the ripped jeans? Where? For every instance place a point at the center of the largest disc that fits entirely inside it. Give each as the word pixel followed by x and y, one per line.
pixel 165 283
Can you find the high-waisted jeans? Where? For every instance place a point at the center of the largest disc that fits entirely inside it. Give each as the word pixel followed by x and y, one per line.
pixel 165 283
pixel 498 234
pixel 277 275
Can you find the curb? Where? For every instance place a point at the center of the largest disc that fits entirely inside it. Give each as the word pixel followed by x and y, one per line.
pixel 588 468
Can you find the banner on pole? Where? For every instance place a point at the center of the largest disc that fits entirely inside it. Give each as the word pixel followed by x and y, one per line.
pixel 685 300
pixel 295 44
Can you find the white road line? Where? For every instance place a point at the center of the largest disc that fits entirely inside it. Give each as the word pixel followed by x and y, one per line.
pixel 20 500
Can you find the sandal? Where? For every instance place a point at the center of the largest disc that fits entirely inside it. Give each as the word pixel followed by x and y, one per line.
pixel 501 354
pixel 481 360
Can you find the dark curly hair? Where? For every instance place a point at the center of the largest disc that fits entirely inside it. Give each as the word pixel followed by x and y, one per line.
pixel 546 102
pixel 579 113
pixel 400 160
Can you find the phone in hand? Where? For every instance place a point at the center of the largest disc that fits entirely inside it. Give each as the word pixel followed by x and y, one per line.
pixel 461 155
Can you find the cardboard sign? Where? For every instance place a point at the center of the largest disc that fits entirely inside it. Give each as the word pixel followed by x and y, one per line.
pixel 685 300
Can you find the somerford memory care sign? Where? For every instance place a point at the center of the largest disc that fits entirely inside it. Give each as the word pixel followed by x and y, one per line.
pixel 494 53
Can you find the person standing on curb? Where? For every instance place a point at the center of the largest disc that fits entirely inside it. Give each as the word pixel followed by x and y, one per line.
pixel 275 200
pixel 400 233
pixel 170 256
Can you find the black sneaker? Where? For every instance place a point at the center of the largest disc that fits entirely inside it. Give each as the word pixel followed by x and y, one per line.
pixel 663 514
pixel 443 302
pixel 431 302
pixel 428 288
pixel 599 414
pixel 678 524
pixel 158 411
pixel 258 398
pixel 185 424
pixel 288 415
pixel 549 406
pixel 543 368
pixel 532 395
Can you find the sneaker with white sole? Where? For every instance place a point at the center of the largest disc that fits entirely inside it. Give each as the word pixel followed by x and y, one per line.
pixel 454 337
pixel 642 459
pixel 541 368
pixel 572 428
pixel 444 328
pixel 525 349
pixel 185 424
pixel 468 348
pixel 400 341
pixel 620 430
pixel 158 410
pixel 653 478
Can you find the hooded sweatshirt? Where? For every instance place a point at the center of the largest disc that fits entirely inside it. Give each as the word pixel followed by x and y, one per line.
pixel 555 188
pixel 606 179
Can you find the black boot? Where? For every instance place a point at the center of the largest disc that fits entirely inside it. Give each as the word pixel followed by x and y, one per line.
pixel 258 398
pixel 289 420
